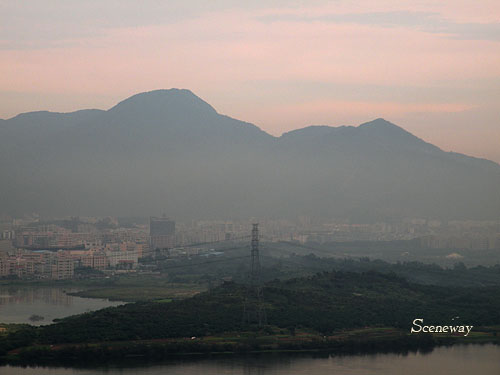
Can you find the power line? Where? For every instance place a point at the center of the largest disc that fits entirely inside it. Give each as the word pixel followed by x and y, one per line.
pixel 299 245
pixel 290 260
pixel 180 247
pixel 208 262
pixel 213 242
pixel 220 250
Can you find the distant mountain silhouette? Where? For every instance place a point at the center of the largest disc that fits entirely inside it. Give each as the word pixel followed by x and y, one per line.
pixel 170 151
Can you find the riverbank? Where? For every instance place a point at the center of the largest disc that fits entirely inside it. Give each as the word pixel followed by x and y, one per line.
pixel 324 312
pixel 117 288
pixel 142 293
pixel 272 339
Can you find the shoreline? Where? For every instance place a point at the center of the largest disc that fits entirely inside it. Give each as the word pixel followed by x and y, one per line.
pixel 154 351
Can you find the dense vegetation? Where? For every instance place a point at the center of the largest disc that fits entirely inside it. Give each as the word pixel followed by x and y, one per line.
pixel 290 260
pixel 327 302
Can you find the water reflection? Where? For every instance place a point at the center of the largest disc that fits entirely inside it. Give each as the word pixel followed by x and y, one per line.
pixel 29 296
pixel 460 359
pixel 19 304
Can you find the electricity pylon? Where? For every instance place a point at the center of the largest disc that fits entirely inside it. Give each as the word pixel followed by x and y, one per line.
pixel 254 311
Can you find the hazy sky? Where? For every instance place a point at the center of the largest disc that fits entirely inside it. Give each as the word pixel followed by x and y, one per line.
pixel 432 67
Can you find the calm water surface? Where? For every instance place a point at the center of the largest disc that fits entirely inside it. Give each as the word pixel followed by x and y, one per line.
pixel 458 360
pixel 18 304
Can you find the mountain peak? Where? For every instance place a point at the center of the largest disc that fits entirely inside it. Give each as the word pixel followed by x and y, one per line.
pixel 163 100
pixel 380 123
pixel 384 128
pixel 385 131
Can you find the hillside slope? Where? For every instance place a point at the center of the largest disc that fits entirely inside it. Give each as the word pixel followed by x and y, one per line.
pixel 169 151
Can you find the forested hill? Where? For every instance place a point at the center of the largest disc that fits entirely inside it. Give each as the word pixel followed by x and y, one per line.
pixel 325 303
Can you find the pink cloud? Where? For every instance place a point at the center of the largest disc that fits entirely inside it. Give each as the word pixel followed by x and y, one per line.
pixel 218 54
pixel 228 48
pixel 457 10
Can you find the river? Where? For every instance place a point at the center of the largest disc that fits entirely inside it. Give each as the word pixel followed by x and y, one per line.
pixel 20 303
pixel 457 360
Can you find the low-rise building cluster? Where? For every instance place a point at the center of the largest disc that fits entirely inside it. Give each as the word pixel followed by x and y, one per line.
pixel 61 264
pixel 61 248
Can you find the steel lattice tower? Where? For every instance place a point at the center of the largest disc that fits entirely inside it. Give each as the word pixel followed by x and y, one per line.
pixel 255 267
pixel 254 311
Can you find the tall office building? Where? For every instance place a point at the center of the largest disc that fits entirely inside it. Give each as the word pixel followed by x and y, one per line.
pixel 161 232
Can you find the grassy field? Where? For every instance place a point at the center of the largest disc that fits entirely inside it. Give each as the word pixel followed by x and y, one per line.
pixel 143 293
pixel 140 288
pixel 127 288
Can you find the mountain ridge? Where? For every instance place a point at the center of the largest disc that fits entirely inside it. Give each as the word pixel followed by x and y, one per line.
pixel 171 146
pixel 378 123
